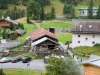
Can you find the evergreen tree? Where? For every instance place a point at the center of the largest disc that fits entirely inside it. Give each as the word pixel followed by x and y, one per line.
pixel 52 13
pixel 4 34
pixel 90 8
pixel 21 26
pixel 72 12
pixel 42 16
pixel 33 9
pixel 28 20
pixel 98 13
pixel 48 16
pixel 65 10
pixel 11 27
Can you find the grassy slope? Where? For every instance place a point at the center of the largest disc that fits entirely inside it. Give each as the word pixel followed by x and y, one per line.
pixel 22 72
pixel 90 50
pixel 55 24
pixel 64 37
pixel 28 27
pixel 57 5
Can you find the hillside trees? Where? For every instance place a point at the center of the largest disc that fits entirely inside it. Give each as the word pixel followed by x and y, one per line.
pixel 13 13
pixel 41 2
pixel 90 12
pixel 98 13
pixel 33 9
pixel 69 11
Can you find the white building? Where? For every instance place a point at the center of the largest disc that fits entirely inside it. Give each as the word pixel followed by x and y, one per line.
pixel 84 11
pixel 85 32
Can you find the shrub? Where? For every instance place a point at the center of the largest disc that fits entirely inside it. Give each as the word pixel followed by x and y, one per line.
pixel 97 44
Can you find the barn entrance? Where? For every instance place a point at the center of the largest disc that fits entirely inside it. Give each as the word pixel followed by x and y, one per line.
pixel 52 30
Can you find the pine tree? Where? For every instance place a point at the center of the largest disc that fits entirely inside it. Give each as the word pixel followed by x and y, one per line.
pixel 98 13
pixel 90 8
pixel 11 27
pixel 42 16
pixel 52 13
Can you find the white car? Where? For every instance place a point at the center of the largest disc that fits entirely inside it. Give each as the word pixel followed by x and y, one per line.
pixel 5 59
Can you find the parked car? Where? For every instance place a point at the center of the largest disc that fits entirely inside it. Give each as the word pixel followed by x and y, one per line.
pixel 5 59
pixel 16 59
pixel 26 59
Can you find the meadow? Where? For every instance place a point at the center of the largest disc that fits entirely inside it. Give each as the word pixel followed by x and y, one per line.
pixel 23 72
pixel 88 50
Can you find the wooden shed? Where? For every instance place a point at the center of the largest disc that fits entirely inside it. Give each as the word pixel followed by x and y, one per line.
pixel 44 42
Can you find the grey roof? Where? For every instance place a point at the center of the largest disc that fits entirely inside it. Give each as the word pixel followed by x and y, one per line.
pixel 12 21
pixel 20 31
pixel 95 61
pixel 93 57
pixel 85 26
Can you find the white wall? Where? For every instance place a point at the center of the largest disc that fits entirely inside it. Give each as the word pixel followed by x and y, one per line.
pixel 83 41
pixel 85 11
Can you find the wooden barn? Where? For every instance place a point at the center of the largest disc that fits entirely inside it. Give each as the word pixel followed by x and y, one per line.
pixel 5 22
pixel 44 42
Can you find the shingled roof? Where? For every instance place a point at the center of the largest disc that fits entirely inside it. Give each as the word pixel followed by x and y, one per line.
pixel 85 26
pixel 40 33
pixel 9 20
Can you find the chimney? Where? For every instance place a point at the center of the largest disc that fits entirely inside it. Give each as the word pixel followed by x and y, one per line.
pixel 8 17
pixel 2 17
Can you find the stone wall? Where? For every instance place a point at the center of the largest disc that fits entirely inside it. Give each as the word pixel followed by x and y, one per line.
pixel 61 30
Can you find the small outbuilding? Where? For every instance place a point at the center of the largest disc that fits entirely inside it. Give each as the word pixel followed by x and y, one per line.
pixel 44 42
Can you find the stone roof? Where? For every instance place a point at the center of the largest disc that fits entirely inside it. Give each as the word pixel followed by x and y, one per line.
pixel 9 20
pixel 40 33
pixel 93 60
pixel 85 26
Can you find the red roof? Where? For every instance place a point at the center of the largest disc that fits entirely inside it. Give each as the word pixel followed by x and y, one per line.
pixel 41 32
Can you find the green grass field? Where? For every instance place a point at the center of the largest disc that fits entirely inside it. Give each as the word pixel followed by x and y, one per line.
pixel 29 28
pixel 23 72
pixel 63 37
pixel 55 24
pixel 90 50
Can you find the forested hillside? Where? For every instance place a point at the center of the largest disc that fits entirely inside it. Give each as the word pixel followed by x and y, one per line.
pixel 8 6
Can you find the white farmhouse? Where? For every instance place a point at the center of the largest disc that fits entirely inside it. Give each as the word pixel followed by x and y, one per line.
pixel 85 32
pixel 84 11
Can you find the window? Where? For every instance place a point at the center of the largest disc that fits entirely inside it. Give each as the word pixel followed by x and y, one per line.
pixel 78 35
pixel 93 36
pixel 93 42
pixel 86 38
pixel 78 41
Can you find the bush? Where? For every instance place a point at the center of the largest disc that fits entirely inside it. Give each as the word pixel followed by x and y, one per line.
pixel 97 44
pixel 1 72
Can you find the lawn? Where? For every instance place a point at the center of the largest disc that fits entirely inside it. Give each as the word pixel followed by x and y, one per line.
pixel 29 28
pixel 23 72
pixel 63 37
pixel 91 50
pixel 55 24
